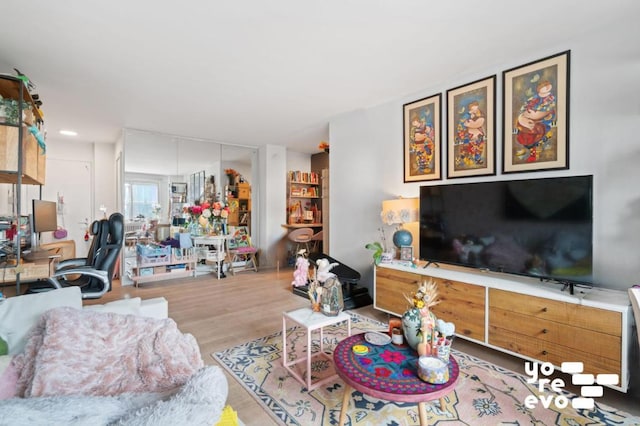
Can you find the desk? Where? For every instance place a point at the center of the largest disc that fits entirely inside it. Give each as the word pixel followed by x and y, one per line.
pixel 310 321
pixel 218 255
pixel 402 383
pixel 29 272
pixel 302 225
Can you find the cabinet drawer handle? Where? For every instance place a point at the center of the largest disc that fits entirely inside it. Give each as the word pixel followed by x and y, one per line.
pixel 544 352
pixel 545 331
pixel 544 309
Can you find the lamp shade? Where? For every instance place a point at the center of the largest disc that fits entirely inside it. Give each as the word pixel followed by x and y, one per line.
pixel 400 210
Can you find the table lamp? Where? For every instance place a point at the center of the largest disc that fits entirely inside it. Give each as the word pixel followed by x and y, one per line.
pixel 399 212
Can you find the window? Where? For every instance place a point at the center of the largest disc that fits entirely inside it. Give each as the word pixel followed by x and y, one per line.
pixel 139 199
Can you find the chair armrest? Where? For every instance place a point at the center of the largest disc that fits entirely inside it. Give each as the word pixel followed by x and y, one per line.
pixel 101 275
pixel 70 263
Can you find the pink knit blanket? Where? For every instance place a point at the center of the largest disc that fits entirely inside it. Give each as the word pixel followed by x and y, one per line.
pixel 78 352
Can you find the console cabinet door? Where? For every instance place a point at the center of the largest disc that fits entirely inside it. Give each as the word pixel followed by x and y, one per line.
pixel 464 305
pixel 460 303
pixel 556 332
pixel 391 287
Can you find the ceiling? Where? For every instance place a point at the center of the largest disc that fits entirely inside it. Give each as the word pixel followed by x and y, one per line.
pixel 264 72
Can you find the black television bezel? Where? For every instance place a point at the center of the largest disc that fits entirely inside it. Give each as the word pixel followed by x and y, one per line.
pixel 550 278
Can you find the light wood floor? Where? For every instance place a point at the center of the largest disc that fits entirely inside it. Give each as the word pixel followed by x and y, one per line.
pixel 224 313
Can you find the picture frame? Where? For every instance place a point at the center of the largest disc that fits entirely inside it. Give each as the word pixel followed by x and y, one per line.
pixel 406 253
pixel 239 237
pixel 422 148
pixel 471 129
pixel 178 187
pixel 535 107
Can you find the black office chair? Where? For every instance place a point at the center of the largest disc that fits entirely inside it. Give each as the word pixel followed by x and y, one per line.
pixel 99 231
pixel 94 278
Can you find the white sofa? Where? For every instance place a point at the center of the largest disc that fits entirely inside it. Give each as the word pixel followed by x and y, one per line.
pixel 200 401
pixel 19 314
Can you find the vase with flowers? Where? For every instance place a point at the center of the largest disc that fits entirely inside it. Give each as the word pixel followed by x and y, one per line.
pixel 215 217
pixel 232 174
pixel 193 222
pixel 418 322
pixel 324 146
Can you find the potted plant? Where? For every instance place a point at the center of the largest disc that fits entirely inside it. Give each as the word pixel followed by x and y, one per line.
pixel 380 252
pixel 377 251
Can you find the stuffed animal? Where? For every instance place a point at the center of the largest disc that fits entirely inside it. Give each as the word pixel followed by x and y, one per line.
pixel 301 274
pixel 323 268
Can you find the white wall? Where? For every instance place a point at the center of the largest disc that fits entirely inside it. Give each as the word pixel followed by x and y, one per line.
pixel 105 179
pixel 366 152
pixel 271 197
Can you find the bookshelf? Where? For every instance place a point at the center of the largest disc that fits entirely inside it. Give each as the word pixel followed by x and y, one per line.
pixel 303 198
pixel 240 206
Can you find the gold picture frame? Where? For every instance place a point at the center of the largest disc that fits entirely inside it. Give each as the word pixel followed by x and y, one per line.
pixel 422 150
pixel 535 107
pixel 471 129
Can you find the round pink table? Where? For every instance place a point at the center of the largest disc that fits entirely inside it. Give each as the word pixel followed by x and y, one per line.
pixel 387 372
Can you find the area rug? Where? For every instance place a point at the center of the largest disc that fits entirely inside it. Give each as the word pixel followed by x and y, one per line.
pixel 485 394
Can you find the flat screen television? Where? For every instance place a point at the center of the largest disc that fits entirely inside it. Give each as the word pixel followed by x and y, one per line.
pixel 541 228
pixel 45 216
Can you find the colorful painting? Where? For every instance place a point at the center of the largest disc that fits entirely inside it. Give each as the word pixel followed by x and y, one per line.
pixel 239 237
pixel 422 139
pixel 471 129
pixel 536 115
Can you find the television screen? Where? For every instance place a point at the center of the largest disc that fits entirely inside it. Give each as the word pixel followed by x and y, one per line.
pixel 534 227
pixel 45 216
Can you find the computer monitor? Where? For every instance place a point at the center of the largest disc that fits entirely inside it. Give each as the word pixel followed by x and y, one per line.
pixel 44 218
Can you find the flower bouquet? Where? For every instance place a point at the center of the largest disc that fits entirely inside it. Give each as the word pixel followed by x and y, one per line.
pixel 418 322
pixel 211 217
pixel 231 175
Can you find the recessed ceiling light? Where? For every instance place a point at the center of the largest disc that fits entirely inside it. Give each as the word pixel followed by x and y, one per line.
pixel 68 133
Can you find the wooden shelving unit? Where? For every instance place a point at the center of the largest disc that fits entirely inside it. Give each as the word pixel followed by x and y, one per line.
pixel 148 269
pixel 22 160
pixel 304 198
pixel 240 206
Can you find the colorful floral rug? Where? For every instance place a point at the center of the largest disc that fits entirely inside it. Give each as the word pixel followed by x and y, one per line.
pixel 485 394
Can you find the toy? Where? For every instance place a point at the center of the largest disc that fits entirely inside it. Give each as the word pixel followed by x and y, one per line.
pixel 323 268
pixel 301 274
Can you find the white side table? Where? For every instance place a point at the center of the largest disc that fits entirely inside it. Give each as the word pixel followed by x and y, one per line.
pixel 219 243
pixel 311 321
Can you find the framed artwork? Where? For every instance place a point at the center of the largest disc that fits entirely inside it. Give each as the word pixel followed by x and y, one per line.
pixel 471 129
pixel 422 148
pixel 536 115
pixel 239 237
pixel 406 253
pixel 178 187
